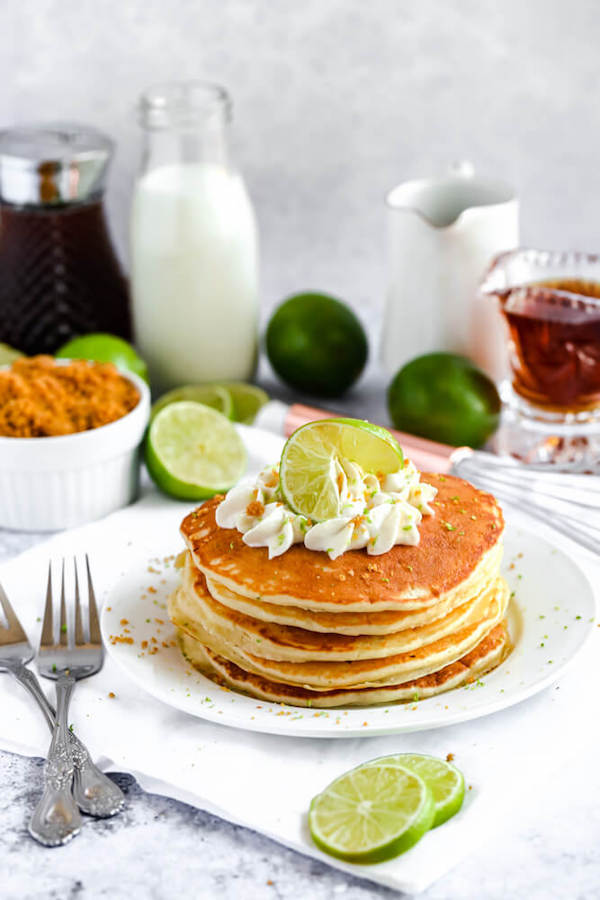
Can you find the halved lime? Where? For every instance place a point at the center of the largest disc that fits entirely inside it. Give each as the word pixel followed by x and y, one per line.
pixel 214 395
pixel 247 400
pixel 444 780
pixel 193 452
pixel 371 814
pixel 8 355
pixel 306 462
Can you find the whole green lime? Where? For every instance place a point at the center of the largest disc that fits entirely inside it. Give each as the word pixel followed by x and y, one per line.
pixel 8 355
pixel 105 348
pixel 446 398
pixel 316 344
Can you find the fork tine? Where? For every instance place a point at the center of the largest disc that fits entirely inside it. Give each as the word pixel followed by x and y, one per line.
pixel 47 638
pixel 63 639
pixel 95 637
pixel 79 639
pixel 15 629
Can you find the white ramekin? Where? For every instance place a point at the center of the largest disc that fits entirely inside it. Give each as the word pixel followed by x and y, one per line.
pixel 50 483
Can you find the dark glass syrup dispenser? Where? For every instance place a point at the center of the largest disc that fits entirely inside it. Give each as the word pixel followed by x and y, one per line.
pixel 59 275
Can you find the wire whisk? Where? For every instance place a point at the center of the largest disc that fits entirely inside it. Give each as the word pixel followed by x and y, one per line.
pixel 568 502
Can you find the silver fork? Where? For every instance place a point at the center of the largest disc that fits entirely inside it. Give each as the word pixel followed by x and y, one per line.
pixel 56 818
pixel 96 794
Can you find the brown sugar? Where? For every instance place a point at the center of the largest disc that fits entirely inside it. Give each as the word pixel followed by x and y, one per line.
pixel 255 508
pixel 39 398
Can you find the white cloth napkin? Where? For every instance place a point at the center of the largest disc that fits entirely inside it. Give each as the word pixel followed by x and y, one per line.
pixel 266 782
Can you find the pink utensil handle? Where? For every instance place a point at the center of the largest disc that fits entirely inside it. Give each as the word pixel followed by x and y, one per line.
pixel 426 455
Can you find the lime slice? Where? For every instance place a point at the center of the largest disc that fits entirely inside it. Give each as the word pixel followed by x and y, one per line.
pixel 8 355
pixel 214 395
pixel 444 780
pixel 247 400
pixel 372 813
pixel 193 452
pixel 306 471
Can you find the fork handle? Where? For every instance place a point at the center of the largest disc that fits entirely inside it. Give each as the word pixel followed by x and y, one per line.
pixel 56 818
pixel 94 792
pixel 29 681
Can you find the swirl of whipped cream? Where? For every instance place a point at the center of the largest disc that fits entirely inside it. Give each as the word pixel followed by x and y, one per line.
pixel 374 513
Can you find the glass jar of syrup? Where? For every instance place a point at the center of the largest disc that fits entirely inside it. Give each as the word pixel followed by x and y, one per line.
pixel 59 275
pixel 550 303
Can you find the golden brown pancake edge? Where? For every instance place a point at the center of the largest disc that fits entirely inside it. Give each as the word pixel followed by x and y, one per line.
pixel 467 525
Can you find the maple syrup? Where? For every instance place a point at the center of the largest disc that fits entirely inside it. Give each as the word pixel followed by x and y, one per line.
pixel 59 275
pixel 550 303
pixel 554 330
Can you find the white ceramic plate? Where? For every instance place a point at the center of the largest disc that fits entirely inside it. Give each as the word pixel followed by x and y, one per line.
pixel 551 615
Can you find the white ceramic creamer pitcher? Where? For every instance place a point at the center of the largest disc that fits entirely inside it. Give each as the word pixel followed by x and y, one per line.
pixel 443 233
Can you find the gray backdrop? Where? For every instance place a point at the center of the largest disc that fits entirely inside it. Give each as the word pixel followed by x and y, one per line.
pixel 335 102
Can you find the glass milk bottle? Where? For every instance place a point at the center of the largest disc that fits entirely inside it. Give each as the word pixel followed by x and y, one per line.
pixel 194 267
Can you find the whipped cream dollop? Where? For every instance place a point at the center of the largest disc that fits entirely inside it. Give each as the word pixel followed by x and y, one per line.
pixel 374 512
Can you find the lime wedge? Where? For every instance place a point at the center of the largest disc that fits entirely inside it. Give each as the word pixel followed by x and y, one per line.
pixel 193 452
pixel 213 395
pixel 8 355
pixel 306 462
pixel 247 400
pixel 444 780
pixel 371 814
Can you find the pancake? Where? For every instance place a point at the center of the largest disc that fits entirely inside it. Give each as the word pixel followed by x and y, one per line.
pixel 361 629
pixel 448 562
pixel 193 605
pixel 387 621
pixel 488 654
pixel 326 675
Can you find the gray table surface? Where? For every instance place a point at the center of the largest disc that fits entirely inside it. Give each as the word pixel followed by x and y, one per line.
pixel 160 848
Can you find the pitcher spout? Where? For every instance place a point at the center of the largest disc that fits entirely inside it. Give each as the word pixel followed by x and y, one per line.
pixel 443 202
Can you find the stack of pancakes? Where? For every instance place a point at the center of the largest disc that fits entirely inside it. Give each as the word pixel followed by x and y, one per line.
pixel 358 630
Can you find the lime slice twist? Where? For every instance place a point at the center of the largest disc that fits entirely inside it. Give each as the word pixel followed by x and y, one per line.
pixel 306 471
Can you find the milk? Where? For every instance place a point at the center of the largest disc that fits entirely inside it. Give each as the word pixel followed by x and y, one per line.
pixel 194 274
